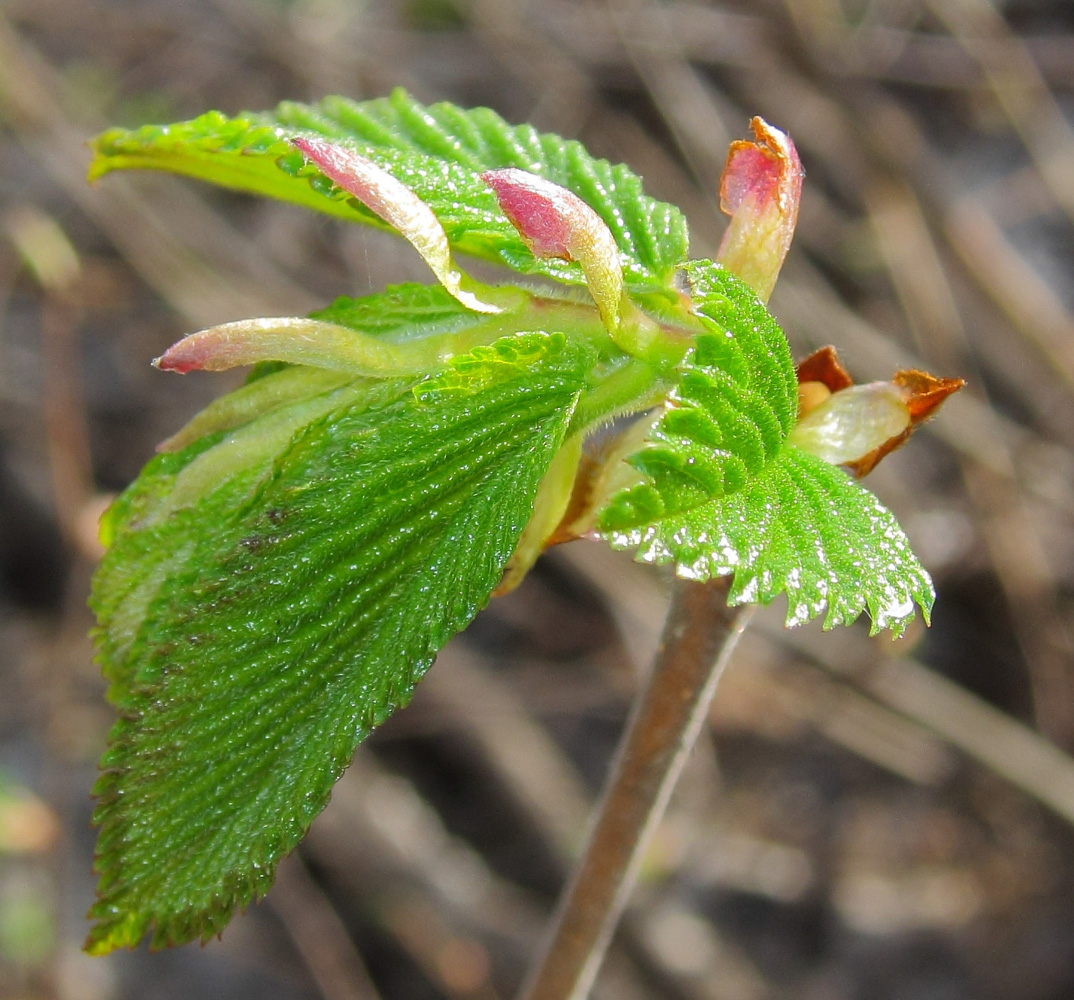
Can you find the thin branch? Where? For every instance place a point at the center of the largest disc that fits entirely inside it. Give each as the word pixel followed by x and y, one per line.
pixel 700 633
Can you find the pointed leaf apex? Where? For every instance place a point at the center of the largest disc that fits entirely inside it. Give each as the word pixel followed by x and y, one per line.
pixel 760 189
pixel 391 200
pixel 555 222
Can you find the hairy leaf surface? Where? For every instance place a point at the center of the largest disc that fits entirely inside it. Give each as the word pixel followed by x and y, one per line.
pixel 720 491
pixel 438 151
pixel 728 416
pixel 801 528
pixel 256 630
pixel 402 313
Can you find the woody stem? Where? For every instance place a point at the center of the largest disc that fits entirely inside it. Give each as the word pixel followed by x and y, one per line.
pixel 700 633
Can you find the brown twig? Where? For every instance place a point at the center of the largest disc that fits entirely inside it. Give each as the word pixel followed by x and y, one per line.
pixel 700 633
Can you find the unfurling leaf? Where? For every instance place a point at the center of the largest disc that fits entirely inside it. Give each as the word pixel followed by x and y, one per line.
pixel 803 528
pixel 283 573
pixel 398 206
pixel 437 151
pixel 723 490
pixel 292 339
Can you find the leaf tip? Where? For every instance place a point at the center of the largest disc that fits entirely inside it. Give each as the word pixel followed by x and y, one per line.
pixel 202 351
pixel 170 361
pixel 112 930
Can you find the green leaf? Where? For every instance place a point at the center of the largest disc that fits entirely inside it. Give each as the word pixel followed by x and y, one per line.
pixel 438 151
pixel 803 528
pixel 256 632
pixel 720 491
pixel 402 313
pixel 728 416
pixel 153 530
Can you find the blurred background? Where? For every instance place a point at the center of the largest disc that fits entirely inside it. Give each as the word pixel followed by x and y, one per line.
pixel 863 820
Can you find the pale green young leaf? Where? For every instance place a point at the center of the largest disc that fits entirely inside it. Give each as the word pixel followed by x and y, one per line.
pixel 729 414
pixel 801 528
pixel 438 151
pixel 255 632
pixel 719 490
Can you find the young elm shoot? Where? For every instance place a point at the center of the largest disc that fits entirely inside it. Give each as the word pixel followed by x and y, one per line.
pixel 281 575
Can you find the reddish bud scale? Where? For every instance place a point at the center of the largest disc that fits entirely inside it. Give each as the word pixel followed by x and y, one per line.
pixel 824 366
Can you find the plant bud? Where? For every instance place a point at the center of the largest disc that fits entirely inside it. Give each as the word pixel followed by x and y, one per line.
pixel 857 425
pixel 555 222
pixel 850 424
pixel 760 189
